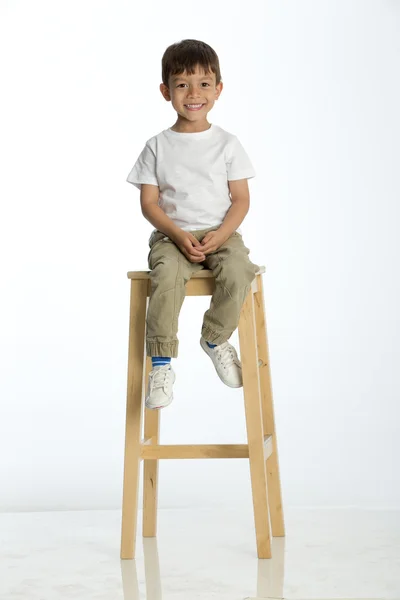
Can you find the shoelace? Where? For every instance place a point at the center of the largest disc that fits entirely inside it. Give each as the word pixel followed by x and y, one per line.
pixel 225 353
pixel 159 375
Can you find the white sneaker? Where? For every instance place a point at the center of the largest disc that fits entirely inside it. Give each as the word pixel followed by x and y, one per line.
pixel 226 363
pixel 159 391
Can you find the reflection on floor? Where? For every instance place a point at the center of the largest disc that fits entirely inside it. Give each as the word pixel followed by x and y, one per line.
pixel 200 555
pixel 269 575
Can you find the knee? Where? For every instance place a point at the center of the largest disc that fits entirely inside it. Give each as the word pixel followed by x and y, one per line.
pixel 165 273
pixel 237 272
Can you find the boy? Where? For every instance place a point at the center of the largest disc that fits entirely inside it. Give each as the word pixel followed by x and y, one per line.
pixel 193 189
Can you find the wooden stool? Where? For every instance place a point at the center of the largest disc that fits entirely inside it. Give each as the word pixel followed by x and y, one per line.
pixel 261 449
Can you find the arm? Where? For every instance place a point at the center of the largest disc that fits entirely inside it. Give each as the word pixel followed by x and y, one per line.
pixel 186 242
pixel 240 198
pixel 149 195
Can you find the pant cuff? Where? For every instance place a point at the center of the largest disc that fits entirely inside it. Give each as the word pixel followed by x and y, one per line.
pixel 155 348
pixel 214 337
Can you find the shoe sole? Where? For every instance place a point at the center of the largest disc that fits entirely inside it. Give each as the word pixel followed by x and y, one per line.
pixel 206 350
pixel 158 407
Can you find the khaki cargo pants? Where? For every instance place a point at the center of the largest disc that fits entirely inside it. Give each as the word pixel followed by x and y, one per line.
pixel 171 270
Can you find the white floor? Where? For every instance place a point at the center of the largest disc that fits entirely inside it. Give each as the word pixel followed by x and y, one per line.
pixel 200 555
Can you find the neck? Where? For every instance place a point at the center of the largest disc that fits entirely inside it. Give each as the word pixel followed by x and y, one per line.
pixel 186 126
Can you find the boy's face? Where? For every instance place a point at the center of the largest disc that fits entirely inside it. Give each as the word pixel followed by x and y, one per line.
pixel 199 88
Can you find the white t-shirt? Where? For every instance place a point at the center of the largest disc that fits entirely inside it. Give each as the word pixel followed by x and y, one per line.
pixel 192 171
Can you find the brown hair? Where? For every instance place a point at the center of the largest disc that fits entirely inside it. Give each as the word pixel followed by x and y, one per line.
pixel 185 56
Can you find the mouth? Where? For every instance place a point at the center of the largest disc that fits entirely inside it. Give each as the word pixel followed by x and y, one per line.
pixel 193 106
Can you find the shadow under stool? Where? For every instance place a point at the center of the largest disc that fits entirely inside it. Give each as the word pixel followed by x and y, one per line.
pixel 261 449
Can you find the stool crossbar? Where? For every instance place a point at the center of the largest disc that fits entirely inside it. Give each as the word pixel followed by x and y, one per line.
pixel 142 439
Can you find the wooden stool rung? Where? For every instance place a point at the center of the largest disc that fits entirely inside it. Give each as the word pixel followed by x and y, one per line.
pixel 177 451
pixel 149 451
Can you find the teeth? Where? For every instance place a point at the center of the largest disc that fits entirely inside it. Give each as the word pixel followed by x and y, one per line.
pixel 193 105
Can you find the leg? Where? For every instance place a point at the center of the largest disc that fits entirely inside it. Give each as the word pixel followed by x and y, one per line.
pixel 274 484
pixel 234 273
pixel 255 433
pixel 170 271
pixel 134 413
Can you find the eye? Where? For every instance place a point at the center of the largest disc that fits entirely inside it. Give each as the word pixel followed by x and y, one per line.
pixel 204 83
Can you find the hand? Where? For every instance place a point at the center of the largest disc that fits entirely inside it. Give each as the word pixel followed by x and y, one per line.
pixel 212 241
pixel 190 246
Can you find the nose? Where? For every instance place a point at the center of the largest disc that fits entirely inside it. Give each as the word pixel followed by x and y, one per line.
pixel 194 92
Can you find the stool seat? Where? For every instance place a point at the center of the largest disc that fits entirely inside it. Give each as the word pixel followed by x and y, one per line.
pixel 204 273
pixel 143 443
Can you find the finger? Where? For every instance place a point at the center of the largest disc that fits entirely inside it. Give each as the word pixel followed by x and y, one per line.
pixel 205 239
pixel 208 247
pixel 195 241
pixel 196 251
pixel 188 256
pixel 194 258
pixel 190 252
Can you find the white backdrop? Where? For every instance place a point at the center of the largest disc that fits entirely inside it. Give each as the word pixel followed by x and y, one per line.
pixel 312 91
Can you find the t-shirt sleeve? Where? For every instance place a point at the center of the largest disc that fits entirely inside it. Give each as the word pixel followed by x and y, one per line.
pixel 238 164
pixel 144 169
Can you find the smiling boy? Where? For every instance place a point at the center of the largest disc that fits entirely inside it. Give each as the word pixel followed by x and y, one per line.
pixel 194 191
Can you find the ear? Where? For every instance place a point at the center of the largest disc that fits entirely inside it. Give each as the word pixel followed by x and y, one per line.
pixel 165 92
pixel 219 89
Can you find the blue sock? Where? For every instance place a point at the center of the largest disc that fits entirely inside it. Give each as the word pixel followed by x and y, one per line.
pixel 159 361
pixel 210 345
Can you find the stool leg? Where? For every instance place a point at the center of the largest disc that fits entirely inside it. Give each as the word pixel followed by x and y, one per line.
pixel 150 468
pixel 255 434
pixel 134 415
pixel 273 477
